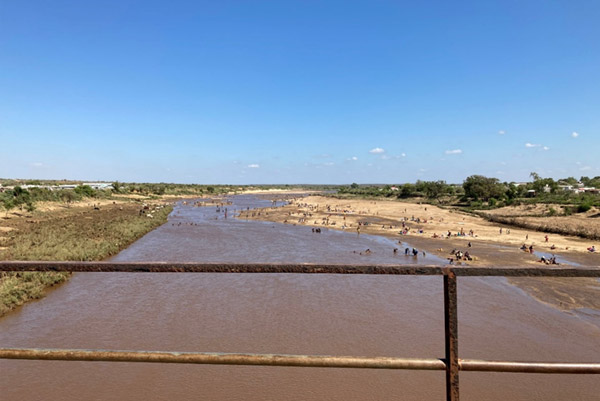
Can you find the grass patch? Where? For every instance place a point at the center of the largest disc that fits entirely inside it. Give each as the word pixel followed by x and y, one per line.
pixel 18 288
pixel 77 235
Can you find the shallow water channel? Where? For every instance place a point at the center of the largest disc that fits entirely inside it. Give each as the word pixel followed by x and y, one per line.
pixel 279 313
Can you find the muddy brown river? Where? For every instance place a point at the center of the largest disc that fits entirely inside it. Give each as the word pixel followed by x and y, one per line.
pixel 279 313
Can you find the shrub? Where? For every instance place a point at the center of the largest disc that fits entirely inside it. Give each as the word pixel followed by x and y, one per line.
pixel 85 190
pixel 584 207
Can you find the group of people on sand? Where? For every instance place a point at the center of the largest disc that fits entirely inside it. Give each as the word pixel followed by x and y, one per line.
pixel 526 248
pixel 449 234
pixel 548 261
pixel 458 256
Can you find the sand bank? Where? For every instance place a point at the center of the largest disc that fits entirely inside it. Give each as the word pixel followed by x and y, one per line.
pixel 439 231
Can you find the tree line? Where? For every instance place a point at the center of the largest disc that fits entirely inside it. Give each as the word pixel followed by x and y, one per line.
pixel 479 191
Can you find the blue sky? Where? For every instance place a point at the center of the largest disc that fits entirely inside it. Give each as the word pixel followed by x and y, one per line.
pixel 241 92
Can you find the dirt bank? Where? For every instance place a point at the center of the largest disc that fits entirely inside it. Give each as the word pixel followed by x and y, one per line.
pixel 549 218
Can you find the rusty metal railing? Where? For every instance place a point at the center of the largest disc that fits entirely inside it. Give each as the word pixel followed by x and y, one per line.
pixel 450 363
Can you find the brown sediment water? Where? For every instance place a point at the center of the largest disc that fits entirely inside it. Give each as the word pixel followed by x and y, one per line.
pixel 278 313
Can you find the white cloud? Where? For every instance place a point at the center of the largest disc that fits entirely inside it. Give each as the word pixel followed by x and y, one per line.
pixel 546 148
pixel 403 155
pixel 353 158
pixel 253 165
pixel 376 151
pixel 532 145
pixel 574 134
pixel 501 132
pixel 585 168
pixel 385 157
pixel 454 152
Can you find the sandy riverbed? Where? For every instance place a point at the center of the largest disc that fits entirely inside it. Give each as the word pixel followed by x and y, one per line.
pixel 426 227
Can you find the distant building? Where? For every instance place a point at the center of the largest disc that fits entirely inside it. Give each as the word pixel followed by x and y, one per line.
pixel 93 185
pixel 98 185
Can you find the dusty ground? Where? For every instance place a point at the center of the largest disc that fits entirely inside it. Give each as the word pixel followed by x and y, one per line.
pixel 538 217
pixel 426 227
pixel 424 221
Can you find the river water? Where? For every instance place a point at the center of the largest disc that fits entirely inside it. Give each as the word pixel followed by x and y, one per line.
pixel 279 313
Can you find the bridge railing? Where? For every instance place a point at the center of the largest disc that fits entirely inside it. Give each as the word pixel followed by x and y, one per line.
pixel 451 363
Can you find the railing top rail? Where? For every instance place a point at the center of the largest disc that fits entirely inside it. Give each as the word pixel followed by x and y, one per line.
pixel 302 268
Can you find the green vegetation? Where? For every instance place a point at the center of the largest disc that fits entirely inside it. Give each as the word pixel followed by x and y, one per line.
pixel 16 198
pixel 478 187
pixel 438 191
pixel 91 235
pixel 69 235
pixel 18 288
pixel 16 195
pixel 484 193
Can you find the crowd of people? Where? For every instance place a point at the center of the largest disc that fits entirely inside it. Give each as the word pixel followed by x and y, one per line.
pixel 409 221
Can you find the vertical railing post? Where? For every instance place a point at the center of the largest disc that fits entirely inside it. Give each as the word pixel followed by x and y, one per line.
pixel 451 326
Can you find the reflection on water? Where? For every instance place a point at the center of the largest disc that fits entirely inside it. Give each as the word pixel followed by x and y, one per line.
pixel 282 313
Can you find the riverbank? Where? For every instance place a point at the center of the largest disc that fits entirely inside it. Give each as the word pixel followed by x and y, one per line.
pixel 83 231
pixel 549 218
pixel 426 228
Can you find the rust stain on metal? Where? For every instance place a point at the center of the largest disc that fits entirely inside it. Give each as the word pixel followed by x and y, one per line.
pixel 166 267
pixel 451 337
